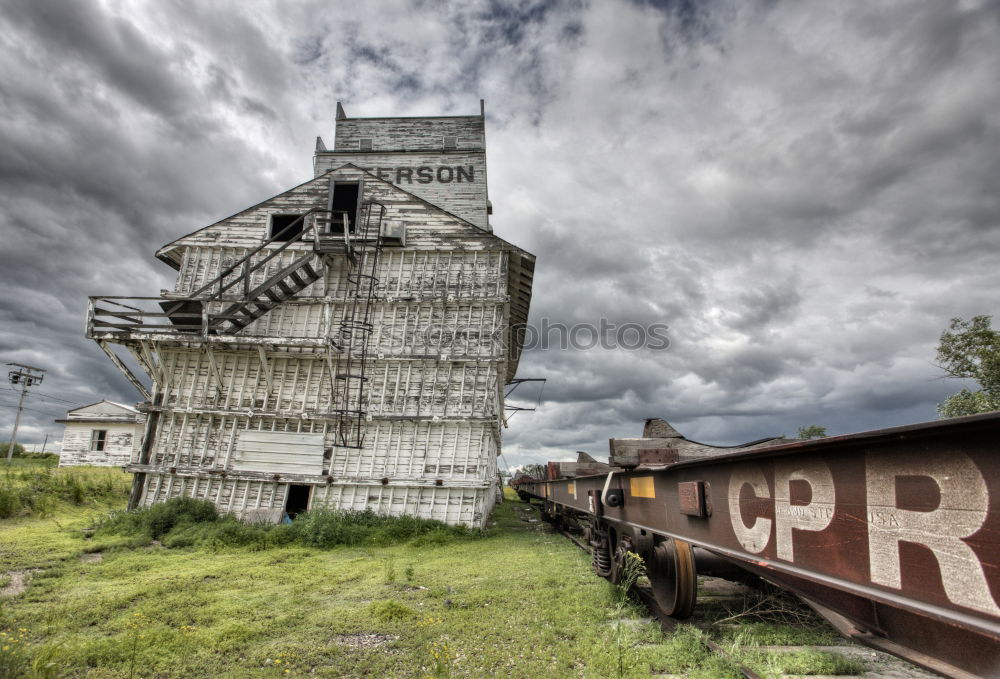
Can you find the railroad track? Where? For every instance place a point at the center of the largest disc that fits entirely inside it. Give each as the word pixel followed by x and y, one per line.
pixel 879 665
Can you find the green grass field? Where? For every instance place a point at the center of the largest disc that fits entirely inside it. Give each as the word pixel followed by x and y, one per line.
pixel 520 601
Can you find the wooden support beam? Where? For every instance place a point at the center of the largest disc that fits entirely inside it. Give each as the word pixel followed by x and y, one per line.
pixel 129 375
pixel 266 367
pixel 145 452
pixel 154 366
pixel 214 367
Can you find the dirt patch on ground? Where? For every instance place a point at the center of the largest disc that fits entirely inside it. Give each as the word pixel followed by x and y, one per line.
pixel 364 640
pixel 16 582
pixel 95 557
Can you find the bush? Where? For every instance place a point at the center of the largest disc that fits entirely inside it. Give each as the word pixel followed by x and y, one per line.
pixel 160 519
pixel 20 452
pixel 327 528
pixel 388 611
pixel 185 522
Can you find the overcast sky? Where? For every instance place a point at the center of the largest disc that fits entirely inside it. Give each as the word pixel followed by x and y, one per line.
pixel 803 192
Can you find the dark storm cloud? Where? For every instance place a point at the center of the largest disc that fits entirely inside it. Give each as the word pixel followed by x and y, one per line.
pixel 111 48
pixel 802 192
pixel 115 141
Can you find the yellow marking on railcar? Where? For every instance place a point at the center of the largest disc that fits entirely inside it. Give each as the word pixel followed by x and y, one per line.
pixel 642 486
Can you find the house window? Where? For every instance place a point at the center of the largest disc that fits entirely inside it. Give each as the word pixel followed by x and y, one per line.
pixel 451 142
pixel 285 227
pixel 98 439
pixel 364 144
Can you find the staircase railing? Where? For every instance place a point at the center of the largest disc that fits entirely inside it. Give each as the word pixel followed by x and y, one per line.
pixel 108 317
pixel 247 268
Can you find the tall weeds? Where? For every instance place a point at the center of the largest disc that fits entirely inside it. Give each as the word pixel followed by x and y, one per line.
pixel 632 569
pixel 36 490
pixel 185 522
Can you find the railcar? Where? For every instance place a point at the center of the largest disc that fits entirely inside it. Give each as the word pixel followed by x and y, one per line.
pixel 893 536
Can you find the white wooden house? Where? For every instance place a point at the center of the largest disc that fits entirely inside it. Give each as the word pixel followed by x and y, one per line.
pixel 105 433
pixel 345 343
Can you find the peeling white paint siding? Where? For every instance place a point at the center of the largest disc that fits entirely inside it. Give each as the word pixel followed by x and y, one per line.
pixel 239 422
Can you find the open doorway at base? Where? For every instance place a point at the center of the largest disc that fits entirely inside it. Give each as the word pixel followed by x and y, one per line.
pixel 297 500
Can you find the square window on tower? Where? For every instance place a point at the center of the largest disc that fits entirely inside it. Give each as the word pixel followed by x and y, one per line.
pixel 285 227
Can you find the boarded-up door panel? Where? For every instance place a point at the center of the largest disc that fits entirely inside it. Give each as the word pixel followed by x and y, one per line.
pixel 278 452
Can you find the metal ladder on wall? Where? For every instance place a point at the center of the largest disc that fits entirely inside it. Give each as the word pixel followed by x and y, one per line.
pixel 363 249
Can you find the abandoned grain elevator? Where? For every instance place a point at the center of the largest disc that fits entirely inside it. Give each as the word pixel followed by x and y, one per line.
pixel 344 344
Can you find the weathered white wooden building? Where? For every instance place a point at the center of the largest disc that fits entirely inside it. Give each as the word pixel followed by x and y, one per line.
pixel 345 343
pixel 105 433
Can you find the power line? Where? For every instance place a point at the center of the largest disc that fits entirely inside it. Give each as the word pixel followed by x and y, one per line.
pixel 44 395
pixel 34 410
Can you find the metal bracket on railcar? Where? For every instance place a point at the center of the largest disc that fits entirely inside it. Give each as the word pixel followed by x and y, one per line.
pixel 612 497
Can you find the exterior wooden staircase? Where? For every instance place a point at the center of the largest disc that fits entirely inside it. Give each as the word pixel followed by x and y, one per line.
pixel 279 287
pixel 190 315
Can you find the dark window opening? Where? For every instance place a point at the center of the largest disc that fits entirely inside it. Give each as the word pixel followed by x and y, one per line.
pixel 364 144
pixel 344 208
pixel 451 142
pixel 285 227
pixel 98 439
pixel 297 500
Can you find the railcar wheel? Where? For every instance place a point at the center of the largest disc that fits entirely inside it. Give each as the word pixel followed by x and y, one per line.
pixel 547 514
pixel 673 577
pixel 619 559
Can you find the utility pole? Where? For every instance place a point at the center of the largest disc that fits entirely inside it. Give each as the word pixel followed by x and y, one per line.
pixel 26 376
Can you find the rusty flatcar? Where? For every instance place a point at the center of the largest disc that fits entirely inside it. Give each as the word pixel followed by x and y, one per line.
pixel 891 535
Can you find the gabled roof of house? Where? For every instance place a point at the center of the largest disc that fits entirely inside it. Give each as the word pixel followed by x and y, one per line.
pixel 114 403
pixel 118 412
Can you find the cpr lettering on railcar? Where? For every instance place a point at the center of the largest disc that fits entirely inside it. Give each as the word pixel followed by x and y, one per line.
pixel 804 498
pixel 815 515
pixel 753 538
pixel 961 511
